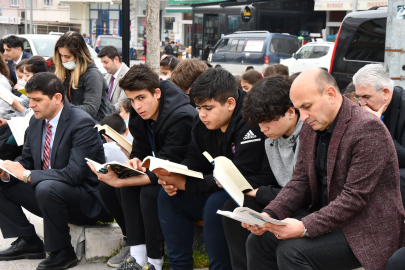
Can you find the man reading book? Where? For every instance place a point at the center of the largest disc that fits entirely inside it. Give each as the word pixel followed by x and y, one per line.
pixel 221 131
pixel 160 121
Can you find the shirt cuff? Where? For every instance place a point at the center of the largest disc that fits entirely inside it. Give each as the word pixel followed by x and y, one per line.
pixel 271 213
pixel 5 180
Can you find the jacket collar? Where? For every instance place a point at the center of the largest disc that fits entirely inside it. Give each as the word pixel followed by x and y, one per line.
pixel 395 107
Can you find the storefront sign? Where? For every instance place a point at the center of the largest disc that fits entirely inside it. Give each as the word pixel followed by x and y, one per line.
pixel 246 14
pixel 347 4
pixel 10 20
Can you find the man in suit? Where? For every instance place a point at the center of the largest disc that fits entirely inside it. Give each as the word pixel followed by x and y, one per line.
pixel 14 53
pixel 52 179
pixel 346 176
pixel 376 93
pixel 111 60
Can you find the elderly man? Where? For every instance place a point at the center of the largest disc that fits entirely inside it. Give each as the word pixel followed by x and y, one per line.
pixel 377 94
pixel 355 215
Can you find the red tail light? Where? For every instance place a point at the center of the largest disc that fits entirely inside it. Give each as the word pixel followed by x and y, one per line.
pixel 334 50
pixel 266 60
pixel 304 42
pixel 98 43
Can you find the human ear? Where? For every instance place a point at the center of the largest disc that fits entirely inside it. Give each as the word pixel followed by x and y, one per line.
pixel 158 93
pixel 231 103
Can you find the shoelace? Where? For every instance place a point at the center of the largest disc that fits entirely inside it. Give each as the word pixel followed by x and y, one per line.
pixel 15 242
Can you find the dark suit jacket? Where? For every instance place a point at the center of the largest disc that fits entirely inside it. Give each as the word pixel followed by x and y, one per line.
pixel 397 123
pixel 363 187
pixel 75 139
pixel 10 63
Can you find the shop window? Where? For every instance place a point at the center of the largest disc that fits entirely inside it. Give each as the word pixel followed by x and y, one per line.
pixel 47 3
pixel 283 46
pixel 222 45
pixel 368 43
pixel 254 46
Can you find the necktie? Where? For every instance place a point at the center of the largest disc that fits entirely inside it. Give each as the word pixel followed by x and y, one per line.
pixel 47 147
pixel 111 87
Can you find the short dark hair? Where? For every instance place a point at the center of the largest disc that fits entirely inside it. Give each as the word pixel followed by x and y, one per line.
pixel 274 69
pixel 126 104
pixel 251 76
pixel 115 122
pixel 218 84
pixel 36 64
pixel 1 46
pixel 13 42
pixel 187 71
pixel 140 77
pixel 324 80
pixel 48 83
pixel 170 62
pixel 268 100
pixel 109 51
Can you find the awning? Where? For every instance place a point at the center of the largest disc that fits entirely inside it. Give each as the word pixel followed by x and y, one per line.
pixel 179 9
pixel 347 4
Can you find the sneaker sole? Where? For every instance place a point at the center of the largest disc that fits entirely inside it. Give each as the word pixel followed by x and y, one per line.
pixel 113 265
pixel 29 256
pixel 72 264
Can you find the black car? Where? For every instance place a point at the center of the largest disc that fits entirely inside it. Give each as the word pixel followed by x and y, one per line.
pixel 360 41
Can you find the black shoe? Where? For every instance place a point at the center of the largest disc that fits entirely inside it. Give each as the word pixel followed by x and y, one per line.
pixel 22 250
pixel 59 260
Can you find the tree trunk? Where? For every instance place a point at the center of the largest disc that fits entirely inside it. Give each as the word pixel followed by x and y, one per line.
pixel 152 34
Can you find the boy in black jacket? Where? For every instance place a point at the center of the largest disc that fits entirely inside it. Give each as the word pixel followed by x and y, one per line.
pixel 160 121
pixel 221 131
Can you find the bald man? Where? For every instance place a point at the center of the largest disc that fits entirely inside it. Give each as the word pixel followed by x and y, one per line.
pixel 355 214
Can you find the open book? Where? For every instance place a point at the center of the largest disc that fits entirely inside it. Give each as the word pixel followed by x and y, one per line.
pixel 115 136
pixel 120 169
pixel 229 177
pixel 251 217
pixel 4 169
pixel 19 125
pixel 22 91
pixel 6 95
pixel 165 167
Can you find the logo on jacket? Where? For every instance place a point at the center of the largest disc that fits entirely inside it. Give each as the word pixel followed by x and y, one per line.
pixel 249 135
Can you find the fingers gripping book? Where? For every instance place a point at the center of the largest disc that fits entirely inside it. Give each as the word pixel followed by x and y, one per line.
pixel 165 167
pixel 121 170
pixel 251 217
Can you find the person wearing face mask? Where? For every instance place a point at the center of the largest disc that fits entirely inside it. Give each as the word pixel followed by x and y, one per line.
pixel 84 84
pixel 167 65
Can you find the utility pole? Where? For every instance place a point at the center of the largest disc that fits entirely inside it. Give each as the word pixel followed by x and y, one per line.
pixel 152 34
pixel 394 58
pixel 31 16
pixel 25 17
pixel 125 31
pixel 355 5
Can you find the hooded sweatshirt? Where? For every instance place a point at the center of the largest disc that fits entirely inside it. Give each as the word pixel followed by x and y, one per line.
pixel 169 136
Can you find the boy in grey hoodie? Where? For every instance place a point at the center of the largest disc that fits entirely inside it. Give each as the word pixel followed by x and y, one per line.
pixel 267 104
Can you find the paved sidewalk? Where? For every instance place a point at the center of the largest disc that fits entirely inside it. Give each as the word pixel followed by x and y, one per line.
pixel 32 264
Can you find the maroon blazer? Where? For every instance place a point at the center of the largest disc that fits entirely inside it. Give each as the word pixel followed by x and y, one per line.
pixel 363 187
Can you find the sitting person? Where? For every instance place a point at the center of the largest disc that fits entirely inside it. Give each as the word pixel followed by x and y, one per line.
pixel 167 64
pixel 52 181
pixel 268 105
pixel 377 94
pixel 275 69
pixel 397 261
pixel 340 181
pixel 221 131
pixel 125 108
pixel 249 79
pixel 186 72
pixel 350 93
pixel 161 119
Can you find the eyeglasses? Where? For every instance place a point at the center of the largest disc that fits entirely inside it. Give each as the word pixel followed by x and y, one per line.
pixel 366 98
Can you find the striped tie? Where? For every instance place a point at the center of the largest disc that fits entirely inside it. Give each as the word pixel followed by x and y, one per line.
pixel 47 147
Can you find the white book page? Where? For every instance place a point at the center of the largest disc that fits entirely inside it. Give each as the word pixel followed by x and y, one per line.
pixel 6 95
pixel 7 171
pixel 251 217
pixel 97 166
pixel 18 126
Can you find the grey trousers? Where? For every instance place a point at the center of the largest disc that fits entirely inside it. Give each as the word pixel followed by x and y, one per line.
pixel 330 252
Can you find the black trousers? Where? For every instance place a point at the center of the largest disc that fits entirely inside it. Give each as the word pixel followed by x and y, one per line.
pixel 112 200
pixel 330 252
pixel 139 204
pixel 56 202
pixel 397 261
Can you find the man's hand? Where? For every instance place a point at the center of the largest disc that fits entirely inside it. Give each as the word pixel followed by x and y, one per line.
pixel 254 229
pixel 170 189
pixel 126 153
pixel 376 113
pixel 109 178
pixel 136 164
pixel 173 182
pixel 252 193
pixel 295 229
pixel 3 122
pixel 15 167
pixel 17 105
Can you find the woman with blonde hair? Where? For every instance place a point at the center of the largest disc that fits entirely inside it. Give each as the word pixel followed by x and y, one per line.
pixel 84 84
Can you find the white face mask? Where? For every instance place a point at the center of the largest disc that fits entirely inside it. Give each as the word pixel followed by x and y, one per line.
pixel 164 78
pixel 22 83
pixel 70 65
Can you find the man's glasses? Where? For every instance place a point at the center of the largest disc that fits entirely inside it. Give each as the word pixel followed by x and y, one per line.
pixel 366 97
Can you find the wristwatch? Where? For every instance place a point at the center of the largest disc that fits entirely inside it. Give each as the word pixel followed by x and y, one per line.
pixel 26 175
pixel 306 234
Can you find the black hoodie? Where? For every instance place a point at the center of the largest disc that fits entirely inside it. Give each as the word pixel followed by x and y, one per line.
pixel 171 131
pixel 241 143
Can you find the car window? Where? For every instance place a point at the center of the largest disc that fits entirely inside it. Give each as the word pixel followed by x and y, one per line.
pixel 305 53
pixel 26 45
pixel 222 45
pixel 44 47
pixel 116 42
pixel 284 46
pixel 368 43
pixel 319 51
pixel 237 45
pixel 254 46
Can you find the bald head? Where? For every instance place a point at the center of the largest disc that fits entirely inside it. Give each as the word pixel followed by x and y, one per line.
pixel 315 94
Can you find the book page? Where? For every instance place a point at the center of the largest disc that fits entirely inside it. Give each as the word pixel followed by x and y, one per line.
pixel 230 178
pixel 6 95
pixel 7 171
pixel 165 167
pixel 251 217
pixel 18 126
pixel 119 169
pixel 97 166
pixel 115 136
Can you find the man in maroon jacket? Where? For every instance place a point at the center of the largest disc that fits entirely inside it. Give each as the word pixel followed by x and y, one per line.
pixel 347 176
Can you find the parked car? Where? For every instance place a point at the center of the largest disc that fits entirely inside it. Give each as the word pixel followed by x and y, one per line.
pixel 237 51
pixel 360 41
pixel 311 55
pixel 44 45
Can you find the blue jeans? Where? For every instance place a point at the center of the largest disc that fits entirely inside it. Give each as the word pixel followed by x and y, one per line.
pixel 177 215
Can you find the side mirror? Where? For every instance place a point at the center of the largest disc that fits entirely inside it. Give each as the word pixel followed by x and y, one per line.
pixel 294 55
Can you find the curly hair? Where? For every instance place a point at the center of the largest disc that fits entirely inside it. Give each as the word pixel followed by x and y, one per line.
pixel 268 100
